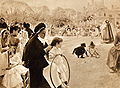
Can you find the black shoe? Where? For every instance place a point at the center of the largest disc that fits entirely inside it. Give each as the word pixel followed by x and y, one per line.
pixel 2 76
pixel 82 57
pixel 66 83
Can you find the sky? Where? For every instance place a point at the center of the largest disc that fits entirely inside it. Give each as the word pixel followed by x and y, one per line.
pixel 75 4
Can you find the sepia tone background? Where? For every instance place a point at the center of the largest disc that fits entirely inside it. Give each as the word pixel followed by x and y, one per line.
pixel 34 11
pixel 85 73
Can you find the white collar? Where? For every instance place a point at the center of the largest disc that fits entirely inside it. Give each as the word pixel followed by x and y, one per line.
pixel 42 40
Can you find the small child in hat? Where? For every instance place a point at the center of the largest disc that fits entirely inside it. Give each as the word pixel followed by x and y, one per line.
pixel 93 50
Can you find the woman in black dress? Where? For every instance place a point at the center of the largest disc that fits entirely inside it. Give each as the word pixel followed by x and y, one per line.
pixel 34 54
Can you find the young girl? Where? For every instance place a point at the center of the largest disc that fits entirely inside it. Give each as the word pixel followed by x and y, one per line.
pixel 58 68
pixel 93 51
pixel 3 50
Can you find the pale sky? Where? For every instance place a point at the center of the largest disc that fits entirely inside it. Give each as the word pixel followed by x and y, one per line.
pixel 75 4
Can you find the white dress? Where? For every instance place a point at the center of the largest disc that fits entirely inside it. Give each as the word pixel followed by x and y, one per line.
pixel 3 59
pixel 23 37
pixel 93 52
pixel 58 69
pixel 3 62
pixel 12 77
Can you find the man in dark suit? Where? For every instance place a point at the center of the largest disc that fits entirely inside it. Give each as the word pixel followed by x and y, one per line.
pixel 34 53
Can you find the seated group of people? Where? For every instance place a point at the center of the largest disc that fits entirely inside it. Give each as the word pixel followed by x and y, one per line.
pixel 13 40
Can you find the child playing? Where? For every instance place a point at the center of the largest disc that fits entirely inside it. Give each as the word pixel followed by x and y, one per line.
pixel 93 50
pixel 79 51
pixel 58 67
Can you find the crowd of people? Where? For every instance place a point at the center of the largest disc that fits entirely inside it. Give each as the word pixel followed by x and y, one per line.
pixel 12 42
pixel 69 30
pixel 103 30
pixel 25 50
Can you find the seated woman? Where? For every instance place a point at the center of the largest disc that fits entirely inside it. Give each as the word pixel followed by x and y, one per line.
pixel 4 41
pixel 4 38
pixel 113 60
pixel 12 77
pixel 58 68
pixel 14 40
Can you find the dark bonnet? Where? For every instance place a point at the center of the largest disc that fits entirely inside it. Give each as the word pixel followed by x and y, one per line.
pixel 39 26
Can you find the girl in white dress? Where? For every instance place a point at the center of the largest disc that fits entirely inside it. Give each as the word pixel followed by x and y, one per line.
pixel 3 50
pixel 58 68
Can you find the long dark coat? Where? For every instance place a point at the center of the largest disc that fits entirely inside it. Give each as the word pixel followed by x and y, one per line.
pixel 108 34
pixel 34 52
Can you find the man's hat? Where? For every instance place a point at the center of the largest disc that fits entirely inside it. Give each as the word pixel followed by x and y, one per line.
pixel 40 27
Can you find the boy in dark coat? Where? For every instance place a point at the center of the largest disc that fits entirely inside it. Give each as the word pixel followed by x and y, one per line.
pixel 79 51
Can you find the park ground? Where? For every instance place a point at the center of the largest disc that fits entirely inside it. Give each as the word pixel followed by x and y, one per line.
pixel 89 72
